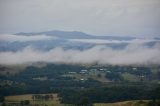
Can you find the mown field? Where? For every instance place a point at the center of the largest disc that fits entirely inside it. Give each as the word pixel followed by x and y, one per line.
pixel 129 103
pixel 17 100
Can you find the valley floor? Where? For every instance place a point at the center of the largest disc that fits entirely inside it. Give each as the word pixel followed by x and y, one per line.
pixel 53 100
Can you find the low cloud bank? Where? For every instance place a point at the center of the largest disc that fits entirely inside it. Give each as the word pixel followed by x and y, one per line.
pixel 22 38
pixel 132 54
pixel 100 41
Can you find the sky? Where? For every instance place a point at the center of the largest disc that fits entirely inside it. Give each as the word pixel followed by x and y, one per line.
pixel 97 17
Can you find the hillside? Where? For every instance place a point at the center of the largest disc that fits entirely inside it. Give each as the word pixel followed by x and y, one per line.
pixel 74 35
pixel 130 103
pixel 53 100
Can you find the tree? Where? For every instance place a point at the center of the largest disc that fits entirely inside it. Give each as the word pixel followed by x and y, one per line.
pixel 4 104
pixel 99 75
pixel 113 76
pixel 84 102
pixel 25 102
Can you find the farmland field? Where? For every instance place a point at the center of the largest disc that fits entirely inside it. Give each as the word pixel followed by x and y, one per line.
pixel 17 99
pixel 127 103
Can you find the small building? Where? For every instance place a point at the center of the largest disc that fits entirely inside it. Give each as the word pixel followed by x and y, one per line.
pixel 84 70
pixel 134 68
pixel 72 72
pixel 101 69
pixel 83 79
pixel 108 71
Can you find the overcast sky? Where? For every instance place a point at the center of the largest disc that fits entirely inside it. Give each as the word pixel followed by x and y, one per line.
pixel 98 17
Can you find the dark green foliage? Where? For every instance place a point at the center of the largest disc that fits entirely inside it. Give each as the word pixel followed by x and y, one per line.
pixel 113 76
pixel 109 94
pixel 84 101
pixel 25 102
pixel 99 75
pixel 4 104
pixel 23 82
pixel 77 92
pixel 42 97
pixel 154 103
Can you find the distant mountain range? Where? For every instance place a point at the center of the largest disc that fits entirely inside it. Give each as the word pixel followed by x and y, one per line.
pixel 74 35
pixel 71 40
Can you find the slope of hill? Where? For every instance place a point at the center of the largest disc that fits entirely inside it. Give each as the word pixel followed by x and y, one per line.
pixel 74 35
pixel 69 40
pixel 130 103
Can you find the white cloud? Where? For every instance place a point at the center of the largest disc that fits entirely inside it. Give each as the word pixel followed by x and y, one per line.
pixel 101 41
pixel 132 54
pixel 22 38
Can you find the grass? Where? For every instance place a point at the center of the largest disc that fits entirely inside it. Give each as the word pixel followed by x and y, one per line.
pixel 18 98
pixel 130 77
pixel 89 75
pixel 126 103
pixel 55 101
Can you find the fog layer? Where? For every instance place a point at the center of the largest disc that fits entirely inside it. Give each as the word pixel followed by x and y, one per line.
pixel 132 54
pixel 22 38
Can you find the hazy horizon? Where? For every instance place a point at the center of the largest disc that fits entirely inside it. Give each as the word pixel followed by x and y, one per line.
pixel 105 17
pixel 131 52
pixel 132 18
